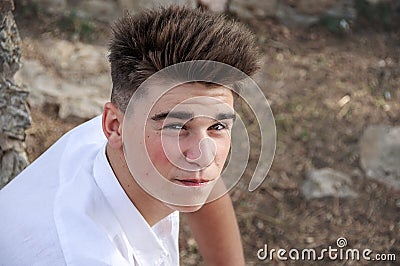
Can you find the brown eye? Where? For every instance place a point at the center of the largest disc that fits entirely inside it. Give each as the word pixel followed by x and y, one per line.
pixel 218 126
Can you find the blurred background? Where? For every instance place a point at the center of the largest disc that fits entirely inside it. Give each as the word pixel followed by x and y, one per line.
pixel 330 71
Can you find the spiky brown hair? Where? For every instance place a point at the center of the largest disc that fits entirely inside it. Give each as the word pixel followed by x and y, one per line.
pixel 145 43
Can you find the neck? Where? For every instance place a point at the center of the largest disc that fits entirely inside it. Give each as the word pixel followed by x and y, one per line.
pixel 150 208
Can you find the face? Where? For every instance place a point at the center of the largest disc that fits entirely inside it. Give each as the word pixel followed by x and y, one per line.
pixel 187 138
pixel 188 133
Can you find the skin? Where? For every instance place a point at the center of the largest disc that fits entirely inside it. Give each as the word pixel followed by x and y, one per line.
pixel 222 231
pixel 186 151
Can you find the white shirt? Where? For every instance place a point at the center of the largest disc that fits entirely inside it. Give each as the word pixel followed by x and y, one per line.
pixel 67 208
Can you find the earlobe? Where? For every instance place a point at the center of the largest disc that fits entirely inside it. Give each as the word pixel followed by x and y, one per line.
pixel 112 125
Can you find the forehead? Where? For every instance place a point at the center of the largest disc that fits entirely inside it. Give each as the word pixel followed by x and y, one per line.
pixel 194 97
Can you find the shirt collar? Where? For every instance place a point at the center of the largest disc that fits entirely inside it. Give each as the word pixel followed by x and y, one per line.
pixel 145 244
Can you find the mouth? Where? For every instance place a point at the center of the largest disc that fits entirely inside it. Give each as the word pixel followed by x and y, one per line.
pixel 193 182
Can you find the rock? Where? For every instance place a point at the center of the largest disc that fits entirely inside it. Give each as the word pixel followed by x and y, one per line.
pixel 380 154
pixel 80 103
pixel 74 77
pixel 214 5
pixel 103 10
pixel 10 46
pixel 327 182
pixel 74 99
pixel 138 5
pixel 14 114
pixel 251 8
pixel 307 13
pixel 302 13
pixel 290 17
pixel 310 7
pixel 52 6
pixel 6 6
pixel 375 2
pixel 12 163
pixel 72 60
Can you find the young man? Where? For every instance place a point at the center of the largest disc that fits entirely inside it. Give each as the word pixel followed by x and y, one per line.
pixel 111 199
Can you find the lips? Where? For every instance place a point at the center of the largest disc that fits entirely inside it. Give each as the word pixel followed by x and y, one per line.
pixel 193 182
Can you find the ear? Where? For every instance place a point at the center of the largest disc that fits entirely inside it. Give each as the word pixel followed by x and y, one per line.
pixel 112 125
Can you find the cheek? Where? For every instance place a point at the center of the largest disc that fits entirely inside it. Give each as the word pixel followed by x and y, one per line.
pixel 156 149
pixel 223 147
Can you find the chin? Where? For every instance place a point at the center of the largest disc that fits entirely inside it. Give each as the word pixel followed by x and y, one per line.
pixel 185 208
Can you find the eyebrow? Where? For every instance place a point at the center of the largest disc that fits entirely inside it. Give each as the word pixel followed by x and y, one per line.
pixel 224 116
pixel 179 115
pixel 188 116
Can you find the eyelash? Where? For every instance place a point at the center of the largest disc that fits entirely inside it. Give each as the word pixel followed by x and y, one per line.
pixel 224 126
pixel 178 126
pixel 174 126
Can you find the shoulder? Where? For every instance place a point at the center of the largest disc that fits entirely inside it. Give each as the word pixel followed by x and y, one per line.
pixel 28 234
pixel 28 231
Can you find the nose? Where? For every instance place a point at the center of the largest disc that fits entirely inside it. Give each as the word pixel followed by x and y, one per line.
pixel 201 151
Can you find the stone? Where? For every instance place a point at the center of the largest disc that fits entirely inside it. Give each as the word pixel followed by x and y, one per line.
pixel 74 77
pixel 10 42
pixel 138 5
pixel 72 60
pixel 310 7
pixel 307 13
pixel 375 2
pixel 103 10
pixel 6 6
pixel 214 5
pixel 52 6
pixel 12 163
pixel 327 182
pixel 302 13
pixel 84 105
pixel 82 100
pixel 254 8
pixel 380 154
pixel 14 113
pixel 290 17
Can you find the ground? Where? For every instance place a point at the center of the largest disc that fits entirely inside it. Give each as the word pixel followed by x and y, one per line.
pixel 304 74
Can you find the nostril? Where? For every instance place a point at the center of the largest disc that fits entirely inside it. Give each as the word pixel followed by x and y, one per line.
pixel 203 153
pixel 193 153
